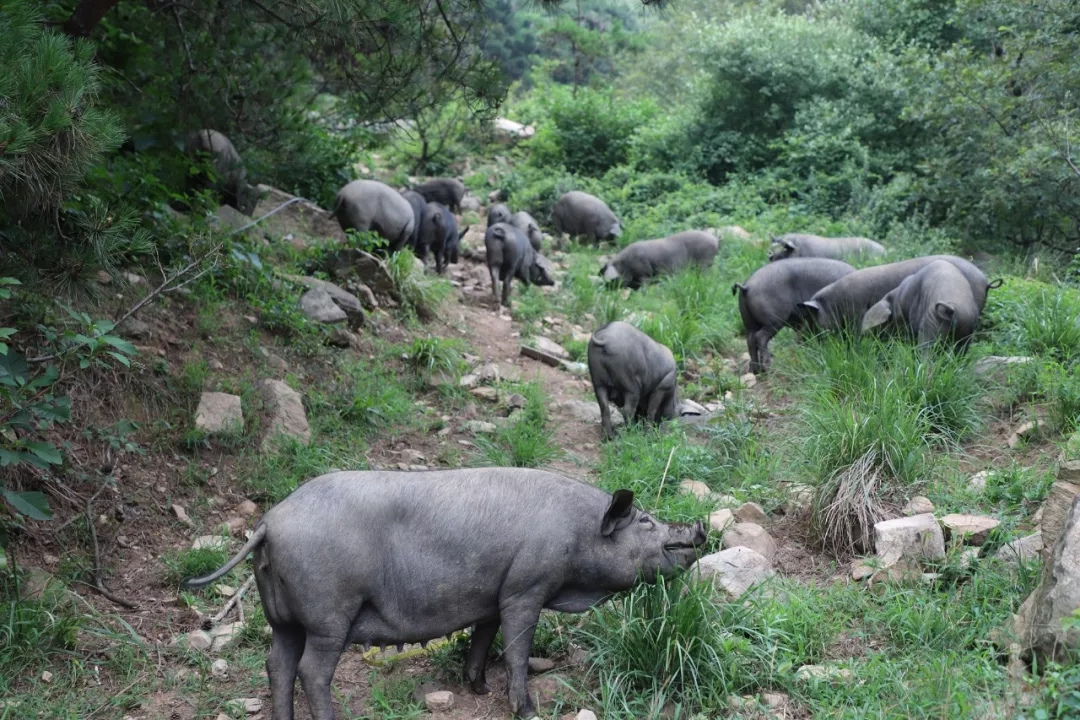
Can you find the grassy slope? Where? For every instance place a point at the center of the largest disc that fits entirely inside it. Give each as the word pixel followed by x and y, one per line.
pixel 916 651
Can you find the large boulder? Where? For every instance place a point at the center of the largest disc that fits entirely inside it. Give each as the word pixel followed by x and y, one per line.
pixel 350 304
pixel 1037 628
pixel 750 535
pixel 365 267
pixel 302 219
pixel 318 306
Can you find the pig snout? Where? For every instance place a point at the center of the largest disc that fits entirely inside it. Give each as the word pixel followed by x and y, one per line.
pixel 683 543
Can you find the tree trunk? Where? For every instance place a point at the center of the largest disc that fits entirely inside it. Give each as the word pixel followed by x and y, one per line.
pixel 86 16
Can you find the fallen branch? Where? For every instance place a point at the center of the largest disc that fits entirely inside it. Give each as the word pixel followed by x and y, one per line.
pixel 96 571
pixel 237 596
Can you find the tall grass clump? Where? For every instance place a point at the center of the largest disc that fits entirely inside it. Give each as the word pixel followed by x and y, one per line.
pixel 31 630
pixel 873 415
pixel 672 641
pixel 524 441
pixel 421 293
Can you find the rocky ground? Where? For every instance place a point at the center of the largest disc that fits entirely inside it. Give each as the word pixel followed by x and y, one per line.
pixel 207 651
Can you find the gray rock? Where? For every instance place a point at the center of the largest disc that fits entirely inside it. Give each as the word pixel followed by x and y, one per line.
pixel 588 412
pixel 1057 503
pixel 823 672
pixel 219 413
pixel 750 535
pixel 477 427
pixel 219 668
pixel 550 347
pixel 751 512
pixel 319 306
pixel 734 571
pixel 696 488
pixel 913 538
pixel 585 715
pixel 439 701
pixel 977 483
pixel 1021 550
pixel 352 305
pixel 539 665
pixel 213 542
pixel 224 635
pixel 229 218
pixel 134 329
pixel 918 505
pixel 996 367
pixel 302 217
pixel 689 407
pixel 286 413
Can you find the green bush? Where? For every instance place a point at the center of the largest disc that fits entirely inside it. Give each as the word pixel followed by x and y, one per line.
pixel 587 133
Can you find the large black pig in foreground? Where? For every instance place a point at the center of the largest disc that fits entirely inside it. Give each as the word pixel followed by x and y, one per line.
pixel 383 558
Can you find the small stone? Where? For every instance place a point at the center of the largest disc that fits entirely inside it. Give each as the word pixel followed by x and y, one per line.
pixel 213 542
pixel 248 705
pixel 696 488
pixel 862 569
pixel 216 364
pixel 748 380
pixel 823 672
pixel 972 529
pixel 134 279
pixel 246 508
pixel 800 499
pixel 286 410
pixel 489 372
pixel 585 715
pixel 969 557
pixel 48 559
pixel 774 700
pixel 103 277
pixel 234 526
pixel 224 635
pixel 219 668
pixel 517 400
pixel 1022 432
pixel 46 677
pixel 918 505
pixel 750 535
pixel 550 347
pixel 539 665
pixel 485 393
pixel 440 700
pixel 477 427
pixel 977 483
pixel 226 590
pixel 199 640
pixel 181 514
pixel 751 513
pixel 721 520
pixel 468 381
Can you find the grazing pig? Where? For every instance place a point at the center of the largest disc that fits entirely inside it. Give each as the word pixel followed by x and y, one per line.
pixel 417 201
pixel 630 369
pixel 387 558
pixel 446 191
pixel 801 245
pixel 936 302
pixel 578 213
pixel 370 205
pixel 769 297
pixel 842 304
pixel 498 213
pixel 524 222
pixel 646 259
pixel 509 255
pixel 438 233
pixel 232 184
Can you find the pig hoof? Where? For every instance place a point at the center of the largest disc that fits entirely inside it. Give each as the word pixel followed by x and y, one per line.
pixel 481 688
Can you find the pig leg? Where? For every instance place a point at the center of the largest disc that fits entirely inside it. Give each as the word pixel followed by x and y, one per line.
pixel 508 282
pixel 281 667
pixel 317 666
pixel 631 401
pixel 519 623
pixel 760 357
pixel 605 410
pixel 494 282
pixel 476 658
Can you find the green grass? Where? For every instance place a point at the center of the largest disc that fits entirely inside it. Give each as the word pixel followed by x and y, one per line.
pixel 183 564
pixel 434 354
pixel 524 440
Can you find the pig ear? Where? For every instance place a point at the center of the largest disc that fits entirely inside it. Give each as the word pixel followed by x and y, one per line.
pixel 618 513
pixel 879 314
pixel 944 311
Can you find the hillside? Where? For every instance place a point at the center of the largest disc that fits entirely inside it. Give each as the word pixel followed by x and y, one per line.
pixel 186 339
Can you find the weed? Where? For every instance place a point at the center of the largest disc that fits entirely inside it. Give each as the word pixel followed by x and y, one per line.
pixel 392 699
pixel 433 354
pixel 421 294
pixel 522 441
pixel 183 564
pixel 31 631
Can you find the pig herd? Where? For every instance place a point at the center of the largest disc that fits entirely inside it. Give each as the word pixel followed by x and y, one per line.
pixel 385 558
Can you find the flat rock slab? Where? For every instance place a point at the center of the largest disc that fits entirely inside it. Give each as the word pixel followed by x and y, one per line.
pixel 1056 505
pixel 997 366
pixel 549 346
pixel 320 307
pixel 750 535
pixel 915 538
pixel 734 571
pixel 286 413
pixel 219 413
pixel 972 529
